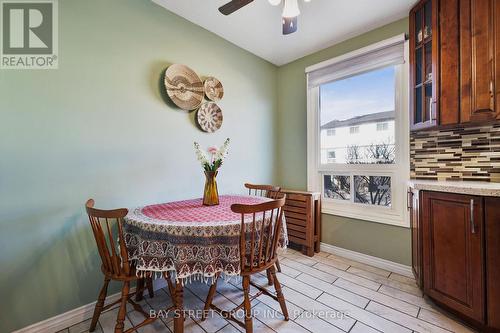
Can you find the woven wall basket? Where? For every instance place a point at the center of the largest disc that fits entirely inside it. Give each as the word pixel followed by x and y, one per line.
pixel 184 87
pixel 209 117
pixel 213 89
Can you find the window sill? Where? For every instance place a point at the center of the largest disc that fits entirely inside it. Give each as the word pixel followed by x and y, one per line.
pixel 369 215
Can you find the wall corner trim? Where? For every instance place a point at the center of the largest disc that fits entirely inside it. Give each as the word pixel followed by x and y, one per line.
pixel 369 260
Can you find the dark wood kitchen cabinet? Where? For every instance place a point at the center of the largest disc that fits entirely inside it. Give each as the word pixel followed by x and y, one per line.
pixel 453 252
pixel 480 60
pixel 434 63
pixel 492 218
pixel 454 63
pixel 456 253
pixel 449 62
pixel 424 64
pixel 416 237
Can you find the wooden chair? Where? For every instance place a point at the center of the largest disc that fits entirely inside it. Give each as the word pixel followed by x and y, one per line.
pixel 268 191
pixel 258 245
pixel 115 265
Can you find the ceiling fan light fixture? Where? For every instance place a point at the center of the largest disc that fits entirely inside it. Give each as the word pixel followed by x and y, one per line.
pixel 274 2
pixel 291 9
pixel 289 25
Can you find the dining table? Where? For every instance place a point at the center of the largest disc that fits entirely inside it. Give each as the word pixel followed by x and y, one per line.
pixel 185 241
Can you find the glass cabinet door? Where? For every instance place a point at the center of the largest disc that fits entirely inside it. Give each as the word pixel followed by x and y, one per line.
pixel 423 80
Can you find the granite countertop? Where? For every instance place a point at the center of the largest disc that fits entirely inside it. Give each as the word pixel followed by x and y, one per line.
pixel 463 187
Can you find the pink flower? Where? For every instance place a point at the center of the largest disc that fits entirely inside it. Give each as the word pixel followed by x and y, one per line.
pixel 212 150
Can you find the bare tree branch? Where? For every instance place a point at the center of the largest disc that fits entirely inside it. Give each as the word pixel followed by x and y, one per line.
pixel 372 189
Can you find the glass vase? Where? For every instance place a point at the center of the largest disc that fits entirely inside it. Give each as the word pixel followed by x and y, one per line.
pixel 210 194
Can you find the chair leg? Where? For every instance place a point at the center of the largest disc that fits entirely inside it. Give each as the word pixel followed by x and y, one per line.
pixel 278 267
pixel 120 320
pixel 269 277
pixel 179 308
pixel 99 305
pixel 279 294
pixel 139 292
pixel 210 297
pixel 149 284
pixel 246 305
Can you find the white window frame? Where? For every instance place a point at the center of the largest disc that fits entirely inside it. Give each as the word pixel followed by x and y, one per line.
pixel 399 172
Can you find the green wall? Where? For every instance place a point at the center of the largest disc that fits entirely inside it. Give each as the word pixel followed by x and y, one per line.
pixel 384 241
pixel 100 126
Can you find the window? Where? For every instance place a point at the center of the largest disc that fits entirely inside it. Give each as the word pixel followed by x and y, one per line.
pixel 362 98
pixel 337 187
pixel 330 132
pixel 373 190
pixel 331 156
pixel 382 126
pixel 342 107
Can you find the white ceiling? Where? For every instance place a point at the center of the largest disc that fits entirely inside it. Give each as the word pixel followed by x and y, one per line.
pixel 322 23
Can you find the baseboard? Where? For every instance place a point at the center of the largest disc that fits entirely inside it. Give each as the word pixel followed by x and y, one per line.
pixel 369 260
pixel 77 315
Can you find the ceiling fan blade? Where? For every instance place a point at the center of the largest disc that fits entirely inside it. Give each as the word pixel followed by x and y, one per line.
pixel 233 6
pixel 289 25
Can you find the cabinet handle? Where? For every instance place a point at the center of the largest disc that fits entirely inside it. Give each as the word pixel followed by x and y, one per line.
pixel 492 93
pixel 472 225
pixel 409 200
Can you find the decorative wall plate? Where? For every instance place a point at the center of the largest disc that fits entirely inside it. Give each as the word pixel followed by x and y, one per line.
pixel 213 89
pixel 209 117
pixel 184 87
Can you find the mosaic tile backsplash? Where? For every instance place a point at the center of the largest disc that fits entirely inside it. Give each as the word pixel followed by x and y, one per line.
pixel 464 153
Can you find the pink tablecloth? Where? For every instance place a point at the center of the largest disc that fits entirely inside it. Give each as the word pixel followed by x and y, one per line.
pixel 187 238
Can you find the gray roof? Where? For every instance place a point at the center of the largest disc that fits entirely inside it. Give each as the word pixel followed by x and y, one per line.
pixel 369 118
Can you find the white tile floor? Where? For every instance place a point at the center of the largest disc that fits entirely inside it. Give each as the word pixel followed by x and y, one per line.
pixel 324 294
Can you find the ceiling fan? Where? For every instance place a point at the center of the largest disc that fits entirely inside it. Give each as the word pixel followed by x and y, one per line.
pixel 289 17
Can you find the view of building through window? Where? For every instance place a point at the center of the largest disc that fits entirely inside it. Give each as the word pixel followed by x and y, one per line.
pixel 360 111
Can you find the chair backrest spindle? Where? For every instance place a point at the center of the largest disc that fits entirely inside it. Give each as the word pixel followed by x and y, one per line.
pixel 268 191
